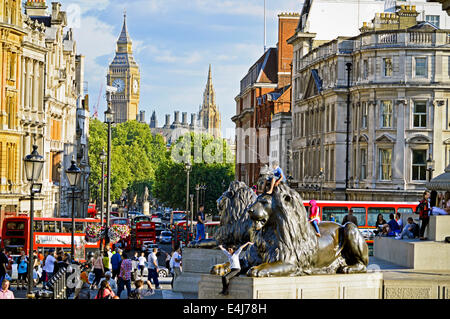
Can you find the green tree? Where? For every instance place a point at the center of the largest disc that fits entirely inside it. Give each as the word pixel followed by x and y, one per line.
pixel 135 155
pixel 213 165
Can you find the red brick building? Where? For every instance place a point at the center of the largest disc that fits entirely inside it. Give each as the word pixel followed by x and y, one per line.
pixel 265 91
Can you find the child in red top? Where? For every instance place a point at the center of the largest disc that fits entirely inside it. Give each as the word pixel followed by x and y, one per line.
pixel 314 216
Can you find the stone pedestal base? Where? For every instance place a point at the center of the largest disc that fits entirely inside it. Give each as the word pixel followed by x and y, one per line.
pixel 414 254
pixel 196 262
pixel 348 286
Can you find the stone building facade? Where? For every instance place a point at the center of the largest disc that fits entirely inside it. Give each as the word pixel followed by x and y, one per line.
pixel 48 82
pixel 11 37
pixel 265 99
pixel 398 111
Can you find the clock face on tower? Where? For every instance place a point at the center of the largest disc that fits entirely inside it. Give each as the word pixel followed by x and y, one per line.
pixel 135 86
pixel 119 84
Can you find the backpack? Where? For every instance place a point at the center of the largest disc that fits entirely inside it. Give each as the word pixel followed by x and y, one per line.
pixel 422 210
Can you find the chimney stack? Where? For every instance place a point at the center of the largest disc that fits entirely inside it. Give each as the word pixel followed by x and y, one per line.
pixel 185 122
pixel 177 117
pixel 167 121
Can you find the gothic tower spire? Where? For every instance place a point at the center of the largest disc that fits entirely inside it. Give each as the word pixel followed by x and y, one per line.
pixel 209 115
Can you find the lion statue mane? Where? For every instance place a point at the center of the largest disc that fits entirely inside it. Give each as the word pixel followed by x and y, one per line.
pixel 235 224
pixel 287 245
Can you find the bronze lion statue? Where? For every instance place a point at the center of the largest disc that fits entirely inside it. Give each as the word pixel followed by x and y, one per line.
pixel 235 224
pixel 286 243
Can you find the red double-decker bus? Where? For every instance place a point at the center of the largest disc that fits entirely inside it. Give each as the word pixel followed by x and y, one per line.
pixel 365 212
pixel 145 231
pixel 48 233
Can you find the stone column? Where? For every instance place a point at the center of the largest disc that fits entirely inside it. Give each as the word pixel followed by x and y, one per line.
pixel 400 151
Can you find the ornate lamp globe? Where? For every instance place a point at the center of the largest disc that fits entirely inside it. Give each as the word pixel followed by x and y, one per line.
pixel 33 165
pixel 102 156
pixel 73 174
pixel 109 115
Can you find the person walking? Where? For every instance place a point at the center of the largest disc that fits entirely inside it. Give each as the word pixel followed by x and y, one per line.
pixel 153 268
pixel 175 264
pixel 125 275
pixel 22 270
pixel 5 293
pixel 141 264
pixel 116 259
pixel 3 264
pixel 49 265
pixel 201 223
pixel 350 218
pixel 235 266
pixel 106 262
pixel 423 209
pixel 99 269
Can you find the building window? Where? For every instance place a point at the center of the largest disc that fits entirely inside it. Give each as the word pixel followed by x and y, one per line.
pixel 385 164
pixel 419 165
pixel 363 163
pixel 386 114
pixel 433 19
pixel 421 67
pixel 387 67
pixel 364 115
pixel 420 114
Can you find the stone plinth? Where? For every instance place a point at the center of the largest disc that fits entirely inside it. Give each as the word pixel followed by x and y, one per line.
pixel 196 262
pixel 415 254
pixel 439 227
pixel 348 286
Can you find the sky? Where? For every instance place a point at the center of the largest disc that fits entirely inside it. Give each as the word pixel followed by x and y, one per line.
pixel 174 41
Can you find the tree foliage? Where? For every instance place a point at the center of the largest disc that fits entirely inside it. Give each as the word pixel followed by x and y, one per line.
pixel 212 165
pixel 135 155
pixel 140 159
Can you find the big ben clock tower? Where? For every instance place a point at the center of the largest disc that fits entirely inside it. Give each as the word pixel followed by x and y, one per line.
pixel 125 76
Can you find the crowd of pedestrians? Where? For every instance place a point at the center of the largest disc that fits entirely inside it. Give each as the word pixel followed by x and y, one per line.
pixel 110 272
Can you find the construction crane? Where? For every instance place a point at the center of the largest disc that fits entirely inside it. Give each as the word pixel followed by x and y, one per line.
pixel 98 103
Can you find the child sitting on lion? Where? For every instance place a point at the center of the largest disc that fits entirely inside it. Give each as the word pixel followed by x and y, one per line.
pixel 274 178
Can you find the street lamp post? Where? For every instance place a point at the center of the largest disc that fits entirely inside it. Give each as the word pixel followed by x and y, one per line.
pixel 192 215
pixel 102 156
pixel 347 156
pixel 430 168
pixel 187 168
pixel 109 119
pixel 33 168
pixel 73 174
pixel 197 189
pixel 59 169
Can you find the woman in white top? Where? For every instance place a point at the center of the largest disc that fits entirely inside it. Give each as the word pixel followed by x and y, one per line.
pixel 235 266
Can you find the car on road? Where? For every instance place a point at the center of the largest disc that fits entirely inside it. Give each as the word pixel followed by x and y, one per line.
pixel 133 214
pixel 165 237
pixel 147 246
